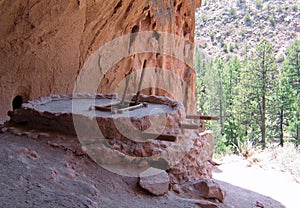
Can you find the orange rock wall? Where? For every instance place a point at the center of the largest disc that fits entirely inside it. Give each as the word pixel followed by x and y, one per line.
pixel 45 44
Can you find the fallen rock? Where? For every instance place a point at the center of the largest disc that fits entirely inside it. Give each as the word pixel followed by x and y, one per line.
pixel 209 189
pixel 33 154
pixel 202 189
pixel 157 184
pixel 259 204
pixel 207 204
pixel 23 151
pixel 80 151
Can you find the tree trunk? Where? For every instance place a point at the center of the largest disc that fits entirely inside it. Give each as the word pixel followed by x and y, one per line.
pixel 263 122
pixel 297 94
pixel 297 135
pixel 221 117
pixel 281 125
pixel 263 104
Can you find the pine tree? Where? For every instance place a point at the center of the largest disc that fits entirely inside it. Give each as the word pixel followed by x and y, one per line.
pixel 291 83
pixel 214 98
pixel 201 65
pixel 282 104
pixel 256 88
pixel 231 76
pixel 210 90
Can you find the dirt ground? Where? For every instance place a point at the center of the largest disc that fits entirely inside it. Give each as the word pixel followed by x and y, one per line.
pixel 279 186
pixel 35 174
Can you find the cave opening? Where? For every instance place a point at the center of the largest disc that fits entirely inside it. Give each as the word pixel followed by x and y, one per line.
pixel 17 102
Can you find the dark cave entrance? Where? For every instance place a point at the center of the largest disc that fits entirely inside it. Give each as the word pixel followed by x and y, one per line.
pixel 17 102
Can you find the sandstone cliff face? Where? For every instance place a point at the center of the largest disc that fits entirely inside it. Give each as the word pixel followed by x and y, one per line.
pixel 45 44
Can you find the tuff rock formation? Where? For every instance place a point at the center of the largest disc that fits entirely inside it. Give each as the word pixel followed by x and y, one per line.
pixel 92 46
pixel 44 45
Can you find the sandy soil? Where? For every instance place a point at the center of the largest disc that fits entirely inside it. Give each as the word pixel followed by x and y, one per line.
pixel 280 186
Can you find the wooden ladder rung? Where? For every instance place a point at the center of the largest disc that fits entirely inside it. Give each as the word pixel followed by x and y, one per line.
pixel 199 117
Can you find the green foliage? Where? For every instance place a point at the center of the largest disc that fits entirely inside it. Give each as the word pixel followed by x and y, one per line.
pixel 295 8
pixel 222 148
pixel 291 83
pixel 225 48
pixel 248 19
pixel 259 4
pixel 212 36
pixel 222 41
pixel 232 11
pixel 257 80
pixel 256 100
pixel 231 47
pixel 272 21
pixel 243 32
pixel 204 18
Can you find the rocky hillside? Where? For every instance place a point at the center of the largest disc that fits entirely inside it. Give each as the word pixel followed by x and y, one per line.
pixel 234 27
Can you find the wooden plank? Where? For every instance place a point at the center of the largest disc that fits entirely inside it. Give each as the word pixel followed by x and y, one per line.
pixel 161 137
pixel 189 126
pixel 202 117
pixel 129 108
pixel 104 107
pixel 126 89
pixel 137 99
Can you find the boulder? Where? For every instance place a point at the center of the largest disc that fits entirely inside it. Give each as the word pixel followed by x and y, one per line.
pixel 202 189
pixel 157 184
pixel 209 189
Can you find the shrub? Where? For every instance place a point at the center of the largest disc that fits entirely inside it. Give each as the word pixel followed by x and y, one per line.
pixel 285 158
pixel 232 11
pixel 231 47
pixel 272 21
pixel 212 36
pixel 225 48
pixel 221 148
pixel 295 8
pixel 259 4
pixel 204 18
pixel 248 20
